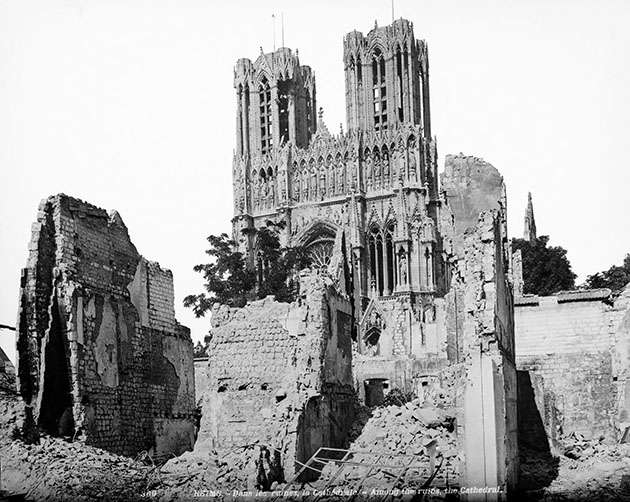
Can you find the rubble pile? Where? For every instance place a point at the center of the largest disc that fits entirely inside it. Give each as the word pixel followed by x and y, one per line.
pixel 591 469
pixel 426 435
pixel 586 469
pixel 189 473
pixel 242 468
pixel 57 469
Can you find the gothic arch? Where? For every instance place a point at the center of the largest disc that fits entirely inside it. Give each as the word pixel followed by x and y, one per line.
pixel 319 241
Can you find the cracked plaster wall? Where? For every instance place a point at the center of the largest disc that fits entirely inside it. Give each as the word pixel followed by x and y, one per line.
pixel 129 361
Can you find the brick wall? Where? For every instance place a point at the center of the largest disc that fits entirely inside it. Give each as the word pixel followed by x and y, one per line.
pixel 101 320
pixel 570 341
pixel 280 374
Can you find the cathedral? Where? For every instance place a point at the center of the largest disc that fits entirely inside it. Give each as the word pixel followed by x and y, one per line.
pixel 375 185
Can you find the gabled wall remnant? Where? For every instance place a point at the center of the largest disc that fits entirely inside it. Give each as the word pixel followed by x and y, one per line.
pixel 280 374
pixel 100 354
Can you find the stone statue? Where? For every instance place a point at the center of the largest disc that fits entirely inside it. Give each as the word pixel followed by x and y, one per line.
pixel 402 265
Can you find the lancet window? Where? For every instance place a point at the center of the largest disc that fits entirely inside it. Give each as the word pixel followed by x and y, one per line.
pixel 379 90
pixel 264 98
pixel 382 259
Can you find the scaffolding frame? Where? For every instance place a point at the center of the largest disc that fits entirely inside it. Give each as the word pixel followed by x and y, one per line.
pixel 375 462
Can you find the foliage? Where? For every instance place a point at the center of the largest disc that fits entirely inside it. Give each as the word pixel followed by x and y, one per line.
pixel 615 278
pixel 199 350
pixel 230 281
pixel 546 270
pixel 227 279
pixel 398 397
pixel 276 266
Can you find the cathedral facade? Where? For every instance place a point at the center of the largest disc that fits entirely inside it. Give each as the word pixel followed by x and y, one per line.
pixel 376 185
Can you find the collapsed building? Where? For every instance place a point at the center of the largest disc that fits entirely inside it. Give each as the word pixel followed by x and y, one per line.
pixel 280 375
pixel 428 269
pixel 100 353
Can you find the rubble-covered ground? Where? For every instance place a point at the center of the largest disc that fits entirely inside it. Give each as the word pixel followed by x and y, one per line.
pixel 58 469
pixel 582 469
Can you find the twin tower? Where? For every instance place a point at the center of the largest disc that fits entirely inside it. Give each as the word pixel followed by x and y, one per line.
pixel 377 181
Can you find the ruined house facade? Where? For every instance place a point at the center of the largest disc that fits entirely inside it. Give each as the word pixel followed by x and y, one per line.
pixel 280 375
pixel 100 353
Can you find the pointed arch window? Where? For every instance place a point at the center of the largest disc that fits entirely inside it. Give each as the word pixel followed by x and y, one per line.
pixel 375 244
pixel 389 259
pixel 264 96
pixel 399 84
pixel 379 89
pixel 283 110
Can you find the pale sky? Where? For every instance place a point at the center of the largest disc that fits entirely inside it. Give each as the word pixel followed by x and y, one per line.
pixel 129 105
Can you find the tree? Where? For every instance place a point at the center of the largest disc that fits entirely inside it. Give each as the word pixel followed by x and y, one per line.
pixel 228 279
pixel 615 278
pixel 199 350
pixel 546 270
pixel 276 267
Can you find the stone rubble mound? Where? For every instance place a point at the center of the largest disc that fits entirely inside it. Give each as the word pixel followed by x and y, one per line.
pixel 586 469
pixel 393 431
pixel 55 469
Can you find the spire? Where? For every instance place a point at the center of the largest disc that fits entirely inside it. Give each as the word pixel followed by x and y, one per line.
pixel 530 224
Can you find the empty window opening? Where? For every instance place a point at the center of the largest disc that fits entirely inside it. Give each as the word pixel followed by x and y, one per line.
pixel 372 345
pixel 283 110
pixel 379 88
pixel 399 79
pixel 264 95
pixel 389 249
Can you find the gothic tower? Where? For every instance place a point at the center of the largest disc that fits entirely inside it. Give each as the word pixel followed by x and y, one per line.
pixel 377 183
pixel 387 78
pixel 276 101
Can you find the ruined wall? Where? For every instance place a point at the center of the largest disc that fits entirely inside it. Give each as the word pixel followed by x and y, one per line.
pixel 487 353
pixel 575 343
pixel 398 346
pixel 280 374
pixel 100 353
pixel 479 322
pixel 471 185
